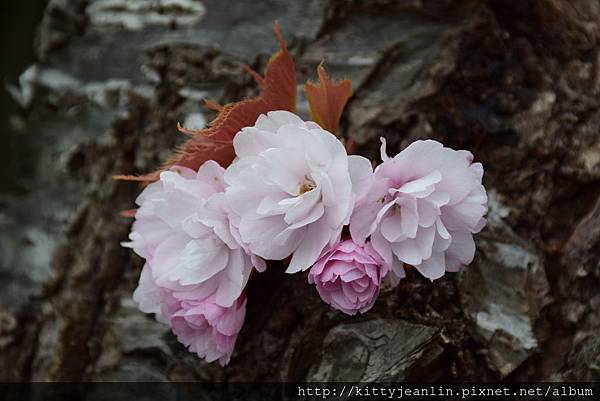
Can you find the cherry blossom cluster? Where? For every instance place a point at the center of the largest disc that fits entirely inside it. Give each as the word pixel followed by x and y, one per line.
pixel 293 193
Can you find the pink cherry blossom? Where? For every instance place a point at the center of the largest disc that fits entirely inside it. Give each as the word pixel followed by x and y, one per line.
pixel 182 229
pixel 208 329
pixel 291 188
pixel 421 208
pixel 204 327
pixel 348 276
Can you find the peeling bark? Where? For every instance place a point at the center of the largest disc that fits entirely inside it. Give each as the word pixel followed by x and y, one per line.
pixel 516 83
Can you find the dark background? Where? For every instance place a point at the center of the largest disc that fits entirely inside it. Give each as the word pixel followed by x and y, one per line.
pixel 18 23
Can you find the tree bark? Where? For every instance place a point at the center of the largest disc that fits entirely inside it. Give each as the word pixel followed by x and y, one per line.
pixel 516 83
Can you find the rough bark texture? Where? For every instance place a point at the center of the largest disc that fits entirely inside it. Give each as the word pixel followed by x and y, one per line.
pixel 515 82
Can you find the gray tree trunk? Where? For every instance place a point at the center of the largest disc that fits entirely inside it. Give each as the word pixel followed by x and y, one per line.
pixel 515 82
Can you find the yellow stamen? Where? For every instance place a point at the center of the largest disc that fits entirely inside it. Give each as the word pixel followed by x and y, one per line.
pixel 306 185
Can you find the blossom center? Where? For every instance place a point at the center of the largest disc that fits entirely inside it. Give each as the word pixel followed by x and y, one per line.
pixel 306 185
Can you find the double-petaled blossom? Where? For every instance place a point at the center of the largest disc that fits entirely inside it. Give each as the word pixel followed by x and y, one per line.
pixel 208 329
pixel 204 327
pixel 348 276
pixel 195 268
pixel 291 188
pixel 422 207
pixel 182 229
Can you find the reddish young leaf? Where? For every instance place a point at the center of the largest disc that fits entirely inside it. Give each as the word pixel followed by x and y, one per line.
pixel 278 92
pixel 351 146
pixel 327 99
pixel 130 213
pixel 211 105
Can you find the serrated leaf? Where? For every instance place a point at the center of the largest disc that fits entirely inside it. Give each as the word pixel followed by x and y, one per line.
pixel 327 99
